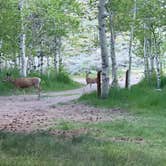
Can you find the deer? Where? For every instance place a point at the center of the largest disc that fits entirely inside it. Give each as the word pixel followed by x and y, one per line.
pixel 26 82
pixel 90 80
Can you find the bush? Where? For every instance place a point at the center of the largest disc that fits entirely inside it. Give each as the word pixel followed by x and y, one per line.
pixel 152 83
pixel 6 87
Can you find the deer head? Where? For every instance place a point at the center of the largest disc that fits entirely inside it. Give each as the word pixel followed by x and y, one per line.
pixel 8 78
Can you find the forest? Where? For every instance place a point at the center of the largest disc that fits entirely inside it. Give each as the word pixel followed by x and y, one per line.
pixel 82 82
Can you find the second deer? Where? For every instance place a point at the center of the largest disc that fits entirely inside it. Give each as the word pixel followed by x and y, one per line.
pixel 90 80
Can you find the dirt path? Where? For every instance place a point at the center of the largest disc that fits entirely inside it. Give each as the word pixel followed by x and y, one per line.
pixel 19 115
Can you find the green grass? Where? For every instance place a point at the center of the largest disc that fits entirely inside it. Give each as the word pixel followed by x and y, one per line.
pixel 146 118
pixel 140 99
pixel 47 150
pixel 53 82
pixel 112 143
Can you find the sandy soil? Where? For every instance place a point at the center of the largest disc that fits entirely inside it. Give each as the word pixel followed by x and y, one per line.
pixel 26 113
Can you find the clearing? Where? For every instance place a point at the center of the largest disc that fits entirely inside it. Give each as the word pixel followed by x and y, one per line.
pixel 26 113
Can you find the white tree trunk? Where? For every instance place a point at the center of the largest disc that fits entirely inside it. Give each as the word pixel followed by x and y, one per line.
pixel 112 49
pixel 151 58
pixel 48 62
pixel 59 54
pixel 130 44
pixel 55 56
pixel 22 42
pixel 152 64
pixel 158 72
pixel 29 64
pixel 146 62
pixel 104 51
pixel 158 68
pixel 41 62
pixel 0 55
pixel 145 59
pixel 23 57
pixel 48 66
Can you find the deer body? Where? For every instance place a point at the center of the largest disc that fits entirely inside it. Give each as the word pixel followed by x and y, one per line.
pixel 90 80
pixel 25 82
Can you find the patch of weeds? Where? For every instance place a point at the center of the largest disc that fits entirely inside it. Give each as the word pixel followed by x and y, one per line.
pixel 65 125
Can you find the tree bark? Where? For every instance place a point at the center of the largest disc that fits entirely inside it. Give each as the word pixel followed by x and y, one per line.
pixel 158 68
pixel 104 51
pixel 60 55
pixel 55 56
pixel 0 56
pixel 23 57
pixel 48 66
pixel 130 45
pixel 41 62
pixel 157 58
pixel 48 62
pixel 146 62
pixel 22 42
pixel 112 51
pixel 145 59
pixel 158 72
pixel 151 58
pixel 29 64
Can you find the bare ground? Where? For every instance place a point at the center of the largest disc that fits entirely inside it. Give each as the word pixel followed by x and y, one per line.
pixel 27 114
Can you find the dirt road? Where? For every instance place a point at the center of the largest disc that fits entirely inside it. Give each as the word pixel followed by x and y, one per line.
pixel 19 115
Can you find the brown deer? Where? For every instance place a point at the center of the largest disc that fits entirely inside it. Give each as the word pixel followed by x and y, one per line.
pixel 90 80
pixel 25 82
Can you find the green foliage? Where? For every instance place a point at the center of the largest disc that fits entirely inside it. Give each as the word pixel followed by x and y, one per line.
pixel 7 88
pixel 57 19
pixel 122 14
pixel 9 26
pixel 151 13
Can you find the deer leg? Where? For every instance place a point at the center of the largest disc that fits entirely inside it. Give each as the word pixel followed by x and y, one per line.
pixel 83 89
pixel 38 88
pixel 24 94
pixel 38 93
pixel 14 90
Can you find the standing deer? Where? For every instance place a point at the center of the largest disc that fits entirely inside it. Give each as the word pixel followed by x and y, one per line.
pixel 25 82
pixel 90 80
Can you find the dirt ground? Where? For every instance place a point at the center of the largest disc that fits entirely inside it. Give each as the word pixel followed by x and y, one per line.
pixel 27 113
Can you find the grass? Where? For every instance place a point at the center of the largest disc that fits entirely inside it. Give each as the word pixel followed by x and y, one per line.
pixel 147 113
pixel 53 82
pixel 114 143
pixel 43 149
pixel 140 99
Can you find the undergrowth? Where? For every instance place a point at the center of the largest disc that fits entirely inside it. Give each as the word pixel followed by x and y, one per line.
pixel 140 98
